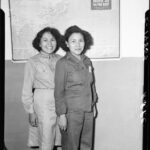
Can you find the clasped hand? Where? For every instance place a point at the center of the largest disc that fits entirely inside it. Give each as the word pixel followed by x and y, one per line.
pixel 62 122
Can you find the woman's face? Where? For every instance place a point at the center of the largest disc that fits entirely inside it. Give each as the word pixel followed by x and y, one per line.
pixel 76 43
pixel 48 43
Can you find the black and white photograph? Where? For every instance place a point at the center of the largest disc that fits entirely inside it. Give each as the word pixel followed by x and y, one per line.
pixel 75 74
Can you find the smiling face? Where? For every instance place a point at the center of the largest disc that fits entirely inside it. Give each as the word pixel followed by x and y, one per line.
pixel 76 43
pixel 48 43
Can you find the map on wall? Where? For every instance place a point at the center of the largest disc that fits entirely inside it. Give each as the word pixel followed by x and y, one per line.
pixel 27 17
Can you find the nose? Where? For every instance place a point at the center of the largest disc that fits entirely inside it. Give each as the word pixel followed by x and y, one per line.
pixel 49 43
pixel 78 44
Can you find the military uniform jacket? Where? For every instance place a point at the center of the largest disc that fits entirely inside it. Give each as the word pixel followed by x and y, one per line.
pixel 74 85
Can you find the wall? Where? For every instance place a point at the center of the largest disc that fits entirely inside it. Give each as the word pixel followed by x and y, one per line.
pixel 118 125
pixel 119 85
pixel 131 27
pixel 102 24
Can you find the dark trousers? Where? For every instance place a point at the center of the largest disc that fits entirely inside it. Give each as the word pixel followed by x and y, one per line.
pixel 79 131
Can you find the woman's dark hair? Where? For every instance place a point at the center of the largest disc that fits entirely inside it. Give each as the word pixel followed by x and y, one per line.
pixel 53 31
pixel 88 39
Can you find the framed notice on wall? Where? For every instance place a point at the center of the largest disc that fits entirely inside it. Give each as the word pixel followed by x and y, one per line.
pixel 100 4
pixel 28 17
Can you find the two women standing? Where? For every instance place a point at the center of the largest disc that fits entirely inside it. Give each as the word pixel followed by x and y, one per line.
pixel 74 92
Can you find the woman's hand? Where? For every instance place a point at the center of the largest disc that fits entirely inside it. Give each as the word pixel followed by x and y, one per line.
pixel 62 122
pixel 33 119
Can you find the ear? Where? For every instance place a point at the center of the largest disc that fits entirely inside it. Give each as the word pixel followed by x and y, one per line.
pixel 67 44
pixel 40 44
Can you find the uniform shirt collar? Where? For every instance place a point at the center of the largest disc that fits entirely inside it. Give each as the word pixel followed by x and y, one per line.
pixel 46 55
pixel 74 59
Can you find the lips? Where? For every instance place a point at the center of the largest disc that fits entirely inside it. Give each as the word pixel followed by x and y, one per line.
pixel 78 49
pixel 50 47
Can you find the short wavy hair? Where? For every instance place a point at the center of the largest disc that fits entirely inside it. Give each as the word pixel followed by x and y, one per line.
pixel 53 31
pixel 88 39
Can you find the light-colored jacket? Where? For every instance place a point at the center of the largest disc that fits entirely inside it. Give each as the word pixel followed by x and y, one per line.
pixel 39 74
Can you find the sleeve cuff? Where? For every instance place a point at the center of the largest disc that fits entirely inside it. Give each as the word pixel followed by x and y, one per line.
pixel 61 111
pixel 29 109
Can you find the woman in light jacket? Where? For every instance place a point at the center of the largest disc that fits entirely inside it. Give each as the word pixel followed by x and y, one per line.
pixel 75 93
pixel 38 90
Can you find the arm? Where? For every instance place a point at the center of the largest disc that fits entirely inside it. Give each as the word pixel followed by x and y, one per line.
pixel 94 93
pixel 27 92
pixel 59 94
pixel 59 91
pixel 95 97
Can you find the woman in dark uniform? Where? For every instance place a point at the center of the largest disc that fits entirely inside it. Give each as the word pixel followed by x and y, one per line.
pixel 75 94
